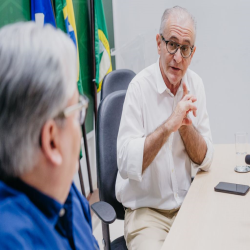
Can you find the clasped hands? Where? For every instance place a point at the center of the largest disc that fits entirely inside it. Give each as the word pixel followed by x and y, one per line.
pixel 179 116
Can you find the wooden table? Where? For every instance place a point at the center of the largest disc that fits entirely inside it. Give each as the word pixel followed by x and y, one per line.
pixel 209 220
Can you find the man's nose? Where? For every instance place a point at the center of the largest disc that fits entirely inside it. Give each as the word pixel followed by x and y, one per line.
pixel 177 56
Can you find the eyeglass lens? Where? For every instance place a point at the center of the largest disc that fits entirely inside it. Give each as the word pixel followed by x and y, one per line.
pixel 173 46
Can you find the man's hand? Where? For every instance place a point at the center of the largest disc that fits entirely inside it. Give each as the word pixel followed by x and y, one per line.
pixel 195 144
pixel 156 140
pixel 179 116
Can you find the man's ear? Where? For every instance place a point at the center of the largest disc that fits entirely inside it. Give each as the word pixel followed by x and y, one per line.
pixel 50 143
pixel 193 53
pixel 158 42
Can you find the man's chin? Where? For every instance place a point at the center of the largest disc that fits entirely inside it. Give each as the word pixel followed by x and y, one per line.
pixel 174 80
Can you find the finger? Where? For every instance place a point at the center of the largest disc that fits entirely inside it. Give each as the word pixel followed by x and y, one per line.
pixel 190 97
pixel 185 90
pixel 186 121
pixel 191 107
pixel 194 111
pixel 193 99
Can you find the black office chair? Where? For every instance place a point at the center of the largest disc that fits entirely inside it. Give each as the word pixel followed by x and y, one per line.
pixel 116 80
pixel 108 209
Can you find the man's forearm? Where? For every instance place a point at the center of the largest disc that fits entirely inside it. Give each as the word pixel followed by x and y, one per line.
pixel 156 140
pixel 195 144
pixel 153 144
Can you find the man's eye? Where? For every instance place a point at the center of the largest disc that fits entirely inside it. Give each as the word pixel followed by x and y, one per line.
pixel 184 48
pixel 172 44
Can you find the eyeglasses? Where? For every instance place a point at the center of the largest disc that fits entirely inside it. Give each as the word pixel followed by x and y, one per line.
pixel 82 105
pixel 172 48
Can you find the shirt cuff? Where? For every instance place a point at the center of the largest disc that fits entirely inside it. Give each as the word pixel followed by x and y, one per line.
pixel 205 165
pixel 135 159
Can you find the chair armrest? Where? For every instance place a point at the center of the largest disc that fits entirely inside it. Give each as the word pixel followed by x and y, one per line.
pixel 104 211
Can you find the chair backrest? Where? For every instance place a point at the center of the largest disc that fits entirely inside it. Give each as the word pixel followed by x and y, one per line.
pixel 116 80
pixel 108 122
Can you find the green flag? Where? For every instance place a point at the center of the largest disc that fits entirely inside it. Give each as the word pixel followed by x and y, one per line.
pixel 65 20
pixel 102 49
pixel 12 11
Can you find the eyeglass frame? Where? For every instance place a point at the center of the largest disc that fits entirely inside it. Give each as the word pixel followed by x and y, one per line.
pixel 82 105
pixel 178 46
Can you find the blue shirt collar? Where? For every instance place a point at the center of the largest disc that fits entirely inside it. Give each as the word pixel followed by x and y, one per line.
pixel 47 205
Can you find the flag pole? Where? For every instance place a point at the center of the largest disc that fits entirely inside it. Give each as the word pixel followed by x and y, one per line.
pixel 92 28
pixel 53 8
pixel 87 158
pixel 81 179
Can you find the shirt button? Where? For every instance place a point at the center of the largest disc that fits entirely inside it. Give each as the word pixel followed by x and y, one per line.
pixel 62 212
pixel 172 170
pixel 176 195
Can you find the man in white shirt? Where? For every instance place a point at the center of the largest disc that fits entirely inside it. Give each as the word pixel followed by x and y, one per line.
pixel 164 130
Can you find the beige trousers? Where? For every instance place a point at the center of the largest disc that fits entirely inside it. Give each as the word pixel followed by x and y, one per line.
pixel 147 228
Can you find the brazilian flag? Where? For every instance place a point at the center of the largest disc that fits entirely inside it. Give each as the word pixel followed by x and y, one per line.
pixel 42 12
pixel 65 20
pixel 102 49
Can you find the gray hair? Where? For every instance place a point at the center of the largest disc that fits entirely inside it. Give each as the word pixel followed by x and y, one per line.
pixel 179 12
pixel 38 75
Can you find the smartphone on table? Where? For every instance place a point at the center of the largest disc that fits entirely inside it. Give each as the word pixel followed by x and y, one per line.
pixel 232 188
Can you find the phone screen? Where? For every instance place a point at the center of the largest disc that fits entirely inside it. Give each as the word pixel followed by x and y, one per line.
pixel 232 188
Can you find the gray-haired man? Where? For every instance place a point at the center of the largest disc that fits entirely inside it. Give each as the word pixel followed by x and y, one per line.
pixel 40 135
pixel 164 130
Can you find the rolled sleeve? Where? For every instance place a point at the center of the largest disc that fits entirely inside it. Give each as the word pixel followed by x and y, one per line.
pixel 131 139
pixel 134 160
pixel 205 165
pixel 203 127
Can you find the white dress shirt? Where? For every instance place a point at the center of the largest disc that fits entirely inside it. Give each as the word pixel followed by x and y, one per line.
pixel 148 104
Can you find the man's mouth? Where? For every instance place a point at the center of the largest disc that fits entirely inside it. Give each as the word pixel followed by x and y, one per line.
pixel 175 69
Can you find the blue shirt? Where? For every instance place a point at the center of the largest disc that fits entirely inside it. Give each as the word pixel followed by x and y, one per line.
pixel 30 219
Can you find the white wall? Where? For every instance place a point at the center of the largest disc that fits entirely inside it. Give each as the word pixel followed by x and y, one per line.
pixel 222 57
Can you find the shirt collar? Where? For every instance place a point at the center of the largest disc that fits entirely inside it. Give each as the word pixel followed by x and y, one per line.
pixel 47 205
pixel 184 79
pixel 161 86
